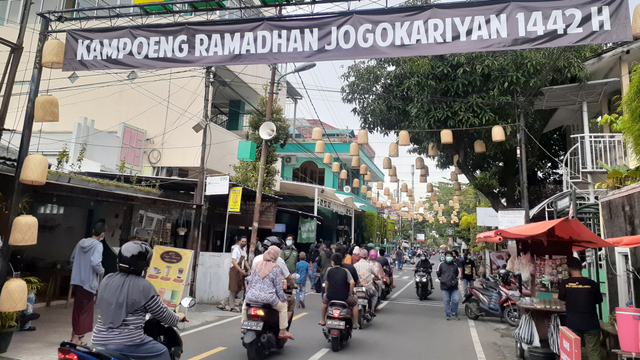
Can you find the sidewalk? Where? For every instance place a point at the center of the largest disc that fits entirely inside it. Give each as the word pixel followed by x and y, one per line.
pixel 54 326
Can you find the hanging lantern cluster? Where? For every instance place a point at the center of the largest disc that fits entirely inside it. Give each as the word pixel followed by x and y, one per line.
pixel 363 189
pixel 316 134
pixel 386 163
pixel 446 136
pixel 328 158
pixel 319 146
pixel 367 177
pixel 335 168
pixel 354 149
pixel 404 187
pixel 420 163
pixel 344 175
pixel 403 138
pixel 355 161
pixel 393 150
pixel 363 169
pixel 392 171
pixel 356 182
pixel 363 137
pixel 46 107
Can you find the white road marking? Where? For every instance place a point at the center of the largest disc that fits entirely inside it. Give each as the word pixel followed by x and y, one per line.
pixel 394 295
pixel 319 354
pixel 405 277
pixel 476 340
pixel 210 325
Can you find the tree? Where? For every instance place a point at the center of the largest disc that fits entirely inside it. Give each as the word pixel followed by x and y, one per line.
pixel 247 171
pixel 477 90
pixel 370 228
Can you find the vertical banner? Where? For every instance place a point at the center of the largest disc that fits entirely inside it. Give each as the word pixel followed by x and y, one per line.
pixel 235 197
pixel 307 230
pixel 169 273
pixel 569 345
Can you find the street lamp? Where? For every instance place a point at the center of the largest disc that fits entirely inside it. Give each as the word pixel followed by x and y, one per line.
pixel 267 132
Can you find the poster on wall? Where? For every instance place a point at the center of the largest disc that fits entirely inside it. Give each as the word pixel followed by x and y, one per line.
pixel 169 273
pixel 499 259
pixel 235 198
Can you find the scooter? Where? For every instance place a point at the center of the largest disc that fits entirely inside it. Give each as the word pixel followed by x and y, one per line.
pixel 261 330
pixel 386 286
pixel 365 307
pixel 339 325
pixel 492 300
pixel 168 336
pixel 424 287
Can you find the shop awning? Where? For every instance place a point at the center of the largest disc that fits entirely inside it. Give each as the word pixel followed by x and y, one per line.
pixel 564 229
pixel 625 241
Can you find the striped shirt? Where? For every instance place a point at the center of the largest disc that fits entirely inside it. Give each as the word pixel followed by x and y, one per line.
pixel 131 331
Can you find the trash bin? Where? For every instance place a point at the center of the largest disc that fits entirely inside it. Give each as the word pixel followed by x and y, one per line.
pixel 628 329
pixel 539 353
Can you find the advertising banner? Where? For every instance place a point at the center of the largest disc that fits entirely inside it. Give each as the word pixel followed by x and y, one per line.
pixel 569 345
pixel 235 197
pixel 382 33
pixel 420 237
pixel 169 273
pixel 307 230
pixel 217 185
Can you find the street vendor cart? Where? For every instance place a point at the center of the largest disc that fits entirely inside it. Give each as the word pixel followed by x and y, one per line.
pixel 543 248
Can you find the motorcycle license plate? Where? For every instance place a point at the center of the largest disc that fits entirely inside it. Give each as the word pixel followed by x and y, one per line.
pixel 252 325
pixel 336 324
pixel 362 302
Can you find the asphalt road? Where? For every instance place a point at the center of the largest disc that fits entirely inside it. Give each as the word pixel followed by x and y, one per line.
pixel 405 328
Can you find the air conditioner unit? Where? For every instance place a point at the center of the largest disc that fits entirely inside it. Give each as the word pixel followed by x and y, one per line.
pixel 290 160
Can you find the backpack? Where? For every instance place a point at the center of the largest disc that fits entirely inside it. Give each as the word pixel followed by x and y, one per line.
pixel 315 254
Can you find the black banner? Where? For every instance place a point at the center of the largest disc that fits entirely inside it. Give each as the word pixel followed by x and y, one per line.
pixel 398 32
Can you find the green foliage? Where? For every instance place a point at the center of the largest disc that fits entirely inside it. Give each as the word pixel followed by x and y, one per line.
pixel 470 90
pixel 629 123
pixel 370 226
pixel 612 120
pixel 33 284
pixel 8 320
pixel 619 176
pixel 247 171
pixel 62 158
pixel 77 166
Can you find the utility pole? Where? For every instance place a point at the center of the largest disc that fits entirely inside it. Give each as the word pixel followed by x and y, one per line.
pixel 412 206
pixel 524 182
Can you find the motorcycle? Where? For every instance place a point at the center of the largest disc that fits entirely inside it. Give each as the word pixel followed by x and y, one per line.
pixel 261 330
pixel 168 336
pixel 365 307
pixel 339 325
pixel 424 287
pixel 386 285
pixel 493 300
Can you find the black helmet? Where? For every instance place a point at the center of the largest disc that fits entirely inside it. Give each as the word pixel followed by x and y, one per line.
pixel 134 257
pixel 272 241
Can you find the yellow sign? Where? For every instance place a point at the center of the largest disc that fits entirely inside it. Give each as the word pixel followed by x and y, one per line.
pixel 169 273
pixel 235 196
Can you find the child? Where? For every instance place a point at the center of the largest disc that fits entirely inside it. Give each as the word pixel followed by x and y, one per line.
pixel 302 269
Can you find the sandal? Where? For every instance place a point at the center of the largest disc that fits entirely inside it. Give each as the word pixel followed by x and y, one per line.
pixel 289 336
pixel 322 324
pixel 235 310
pixel 222 306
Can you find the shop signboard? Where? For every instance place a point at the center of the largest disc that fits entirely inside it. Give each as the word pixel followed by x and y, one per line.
pixel 487 217
pixel 510 217
pixel 169 273
pixel 235 198
pixel 569 345
pixel 217 185
pixel 420 237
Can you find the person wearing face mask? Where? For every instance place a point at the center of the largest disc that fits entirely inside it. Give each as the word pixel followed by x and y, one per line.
pixel 290 254
pixel 448 275
pixel 424 264
pixel 237 273
pixel 469 272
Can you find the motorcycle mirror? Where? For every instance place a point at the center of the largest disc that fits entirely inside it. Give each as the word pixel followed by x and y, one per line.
pixel 188 302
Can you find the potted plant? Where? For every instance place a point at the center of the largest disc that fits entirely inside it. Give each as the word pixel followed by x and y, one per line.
pixel 8 320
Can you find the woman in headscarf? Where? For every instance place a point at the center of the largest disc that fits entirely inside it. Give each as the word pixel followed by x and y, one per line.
pixel 356 255
pixel 266 287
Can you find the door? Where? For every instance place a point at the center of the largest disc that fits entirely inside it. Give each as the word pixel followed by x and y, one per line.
pixel 623 272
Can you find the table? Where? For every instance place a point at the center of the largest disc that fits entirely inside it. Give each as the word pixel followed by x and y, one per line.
pixel 541 316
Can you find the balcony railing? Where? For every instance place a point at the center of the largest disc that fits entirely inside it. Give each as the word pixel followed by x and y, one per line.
pixel 585 156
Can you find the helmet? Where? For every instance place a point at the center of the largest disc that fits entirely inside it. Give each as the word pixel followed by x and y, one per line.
pixel 272 241
pixel 134 257
pixel 373 254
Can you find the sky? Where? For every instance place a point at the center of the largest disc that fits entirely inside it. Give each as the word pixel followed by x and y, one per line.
pixel 324 83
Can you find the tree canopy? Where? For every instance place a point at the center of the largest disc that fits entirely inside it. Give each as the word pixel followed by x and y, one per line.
pixel 470 93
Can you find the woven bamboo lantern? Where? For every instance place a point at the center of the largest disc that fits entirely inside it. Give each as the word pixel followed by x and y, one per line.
pixel 335 168
pixel 479 147
pixel 456 199
pixel 454 212
pixel 404 187
pixel 456 206
pixel 433 150
pixel 393 150
pixel 355 161
pixel 386 163
pixel 364 170
pixel 363 137
pixel 394 179
pixel 409 192
pixel 456 186
pixel 344 175
pixel 53 54
pixel 393 201
pixel 356 182
pixel 316 134
pixel 425 170
pixel 459 193
pixel 392 171
pixel 46 109
pixel 454 176
pixel 406 204
pixel 363 189
pixel 446 136
pixel 450 202
pixel 34 170
pixel 397 206
pixel 328 158
pixel 419 163
pixel 380 185
pixel 387 192
pixel 403 138
pixel 497 134
pixel 319 146
pixel 433 198
pixel 369 194
pixel 429 187
pixel 385 204
pixel 354 149
pixel 635 23
pixel 13 296
pixel 423 179
pixel 458 171
pixel 378 204
pixel 367 177
pixel 455 160
pixel 24 231
pixel 412 199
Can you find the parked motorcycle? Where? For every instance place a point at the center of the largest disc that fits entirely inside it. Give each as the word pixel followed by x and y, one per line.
pixel 339 325
pixel 424 287
pixel 491 299
pixel 168 336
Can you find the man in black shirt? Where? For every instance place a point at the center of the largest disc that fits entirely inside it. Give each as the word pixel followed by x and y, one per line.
pixel 582 296
pixel 469 272
pixel 342 250
pixel 339 287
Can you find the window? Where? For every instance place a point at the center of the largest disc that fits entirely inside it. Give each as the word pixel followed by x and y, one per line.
pixel 308 172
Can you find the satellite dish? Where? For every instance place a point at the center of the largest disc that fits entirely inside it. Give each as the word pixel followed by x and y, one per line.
pixel 347 188
pixel 267 130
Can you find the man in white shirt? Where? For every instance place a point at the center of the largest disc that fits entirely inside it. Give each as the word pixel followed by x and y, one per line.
pixel 237 272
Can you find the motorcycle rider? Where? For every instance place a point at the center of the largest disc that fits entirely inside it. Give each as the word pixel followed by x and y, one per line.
pixel 368 275
pixel 373 258
pixel 385 262
pixel 290 254
pixel 339 285
pixel 342 250
pixel 424 264
pixel 124 300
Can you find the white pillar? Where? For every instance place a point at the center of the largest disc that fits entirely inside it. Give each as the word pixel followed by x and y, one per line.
pixel 353 226
pixel 587 150
pixel 315 203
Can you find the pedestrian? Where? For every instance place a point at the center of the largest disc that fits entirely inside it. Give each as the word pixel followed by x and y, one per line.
pixel 290 254
pixel 448 275
pixel 313 257
pixel 355 255
pixel 324 263
pixel 582 296
pixel 237 273
pixel 86 262
pixel 303 270
pixel 469 272
pixel 399 258
pixel 347 256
